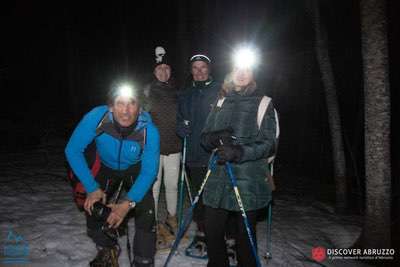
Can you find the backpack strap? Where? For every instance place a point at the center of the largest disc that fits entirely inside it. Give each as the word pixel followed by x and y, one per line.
pixel 144 137
pixel 105 125
pixel 220 102
pixel 262 108
pixel 99 129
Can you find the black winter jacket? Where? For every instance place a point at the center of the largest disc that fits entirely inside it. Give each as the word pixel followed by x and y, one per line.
pixel 194 104
pixel 161 102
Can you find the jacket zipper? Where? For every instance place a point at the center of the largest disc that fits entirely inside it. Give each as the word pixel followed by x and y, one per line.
pixel 119 154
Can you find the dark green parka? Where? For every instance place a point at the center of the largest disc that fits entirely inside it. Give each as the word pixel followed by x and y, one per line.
pixel 258 141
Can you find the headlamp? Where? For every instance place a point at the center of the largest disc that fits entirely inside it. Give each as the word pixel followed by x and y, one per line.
pixel 244 58
pixel 125 90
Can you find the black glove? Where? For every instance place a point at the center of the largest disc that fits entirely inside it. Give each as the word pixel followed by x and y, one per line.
pixel 215 139
pixel 231 153
pixel 183 129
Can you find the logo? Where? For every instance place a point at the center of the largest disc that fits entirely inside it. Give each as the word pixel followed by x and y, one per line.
pixel 15 249
pixel 318 253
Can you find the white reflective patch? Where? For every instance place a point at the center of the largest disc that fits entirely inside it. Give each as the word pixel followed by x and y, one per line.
pixel 220 102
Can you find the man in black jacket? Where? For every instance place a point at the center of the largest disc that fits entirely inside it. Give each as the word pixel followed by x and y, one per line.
pixel 194 105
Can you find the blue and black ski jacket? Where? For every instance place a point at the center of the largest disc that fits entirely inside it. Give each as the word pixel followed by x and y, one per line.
pixel 115 152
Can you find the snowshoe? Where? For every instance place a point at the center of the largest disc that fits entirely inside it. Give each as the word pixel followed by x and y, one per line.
pixel 164 239
pixel 172 224
pixel 106 257
pixel 231 251
pixel 198 248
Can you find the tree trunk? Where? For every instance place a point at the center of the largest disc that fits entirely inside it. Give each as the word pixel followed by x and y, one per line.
pixel 324 61
pixel 377 224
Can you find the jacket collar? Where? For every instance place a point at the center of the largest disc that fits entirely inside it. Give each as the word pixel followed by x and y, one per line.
pixel 106 124
pixel 202 83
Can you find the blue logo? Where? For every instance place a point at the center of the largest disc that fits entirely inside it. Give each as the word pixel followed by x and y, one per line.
pixel 15 249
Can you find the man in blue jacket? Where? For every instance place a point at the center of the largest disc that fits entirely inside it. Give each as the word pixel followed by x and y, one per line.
pixel 128 146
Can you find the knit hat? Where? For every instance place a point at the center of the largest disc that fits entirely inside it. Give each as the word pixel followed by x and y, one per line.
pixel 160 56
pixel 200 57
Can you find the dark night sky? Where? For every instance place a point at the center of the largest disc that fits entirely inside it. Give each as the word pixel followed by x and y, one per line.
pixel 58 59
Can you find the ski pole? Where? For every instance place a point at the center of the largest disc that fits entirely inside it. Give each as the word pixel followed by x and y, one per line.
pixel 181 183
pixel 115 198
pixel 188 188
pixel 189 213
pixel 128 243
pixel 268 254
pixel 243 212
pixel 269 222
pixel 108 231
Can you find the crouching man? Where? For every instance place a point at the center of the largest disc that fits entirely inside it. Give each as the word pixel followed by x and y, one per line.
pixel 128 145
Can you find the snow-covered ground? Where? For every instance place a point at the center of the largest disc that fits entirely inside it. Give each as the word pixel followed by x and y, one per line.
pixel 36 204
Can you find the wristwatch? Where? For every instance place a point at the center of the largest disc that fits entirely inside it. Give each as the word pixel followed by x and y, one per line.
pixel 132 204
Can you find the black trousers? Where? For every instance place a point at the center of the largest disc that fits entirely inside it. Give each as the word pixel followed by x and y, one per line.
pixel 216 226
pixel 197 175
pixel 144 244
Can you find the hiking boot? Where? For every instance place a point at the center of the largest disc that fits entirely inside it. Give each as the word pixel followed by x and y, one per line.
pixel 231 251
pixel 198 248
pixel 106 257
pixel 164 238
pixel 172 223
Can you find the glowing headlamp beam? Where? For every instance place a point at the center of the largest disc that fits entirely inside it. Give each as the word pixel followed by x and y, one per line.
pixel 244 58
pixel 125 91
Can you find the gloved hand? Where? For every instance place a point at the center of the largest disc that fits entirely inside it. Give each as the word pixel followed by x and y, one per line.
pixel 183 129
pixel 231 153
pixel 215 139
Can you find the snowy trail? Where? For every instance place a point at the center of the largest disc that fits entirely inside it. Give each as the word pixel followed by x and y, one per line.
pixel 39 208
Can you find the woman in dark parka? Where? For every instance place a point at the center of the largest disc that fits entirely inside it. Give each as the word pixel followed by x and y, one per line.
pixel 246 141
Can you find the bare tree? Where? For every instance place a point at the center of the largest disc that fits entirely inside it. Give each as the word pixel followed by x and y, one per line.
pixel 335 126
pixel 377 232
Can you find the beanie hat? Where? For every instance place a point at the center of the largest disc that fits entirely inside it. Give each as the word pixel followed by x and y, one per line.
pixel 160 56
pixel 200 57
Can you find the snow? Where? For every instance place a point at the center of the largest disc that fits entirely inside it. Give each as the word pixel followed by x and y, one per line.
pixel 36 204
